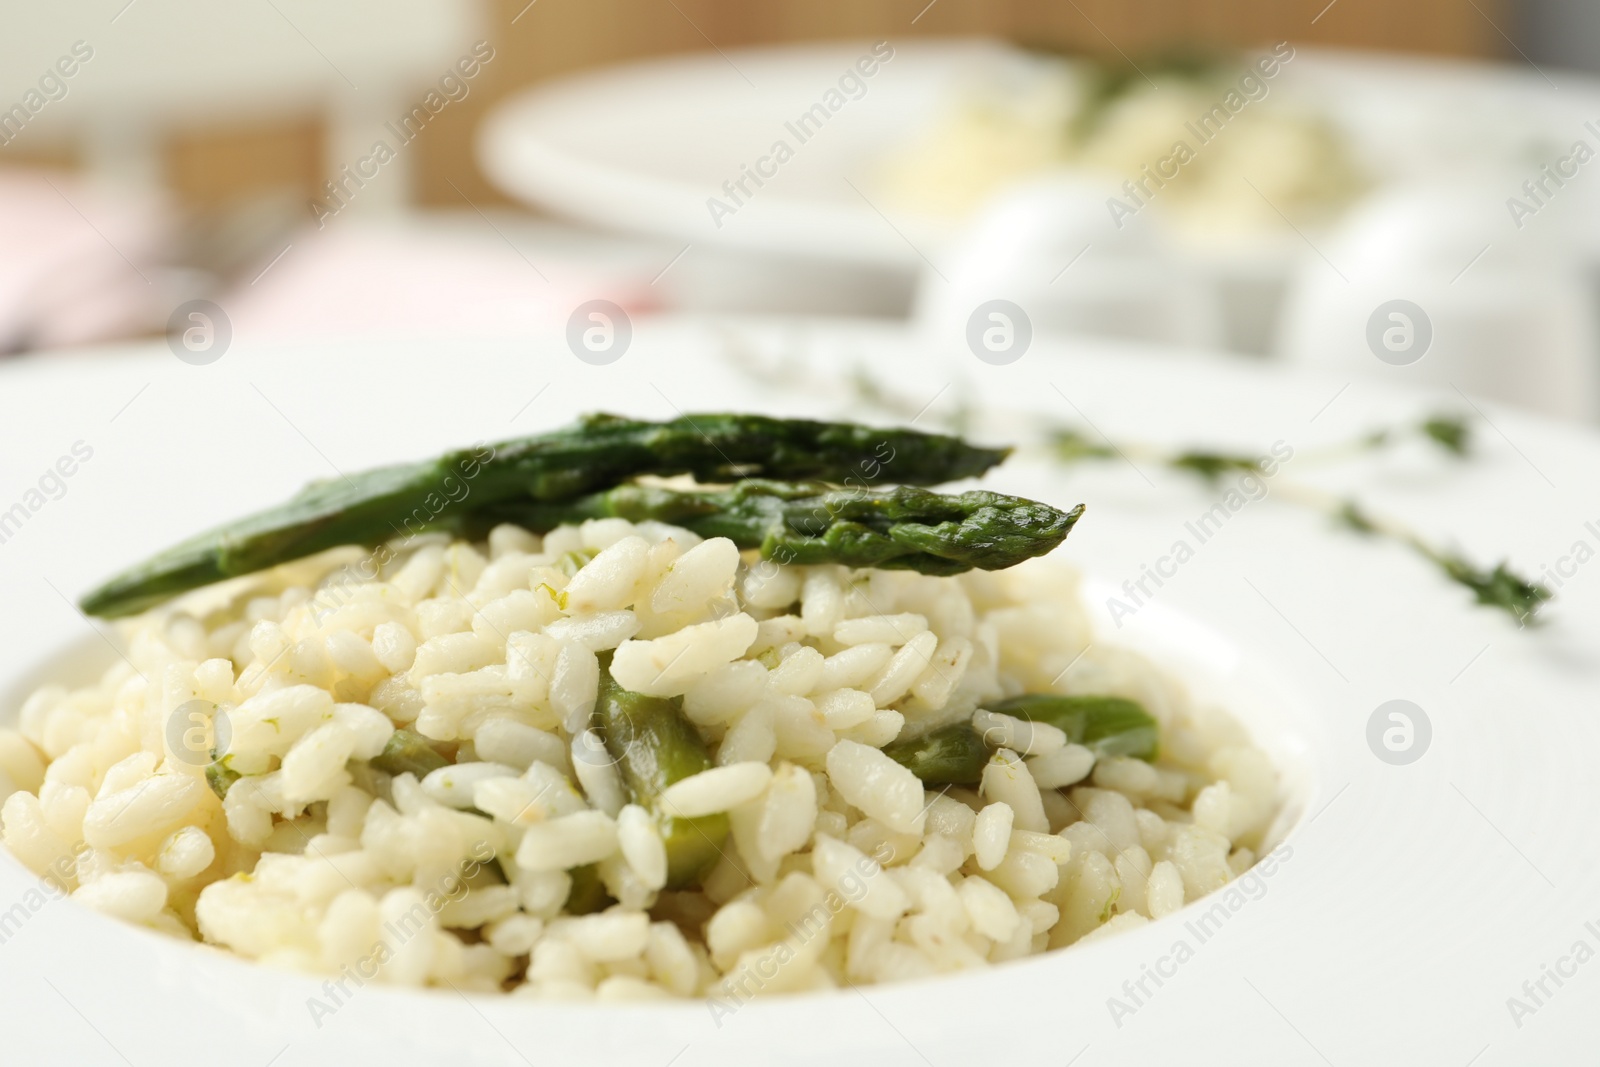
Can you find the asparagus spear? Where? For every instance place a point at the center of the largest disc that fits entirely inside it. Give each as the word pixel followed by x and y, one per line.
pixel 1107 725
pixel 655 746
pixel 902 528
pixel 597 452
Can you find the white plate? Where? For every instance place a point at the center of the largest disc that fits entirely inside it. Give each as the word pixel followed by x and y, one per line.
pixel 643 146
pixel 1417 899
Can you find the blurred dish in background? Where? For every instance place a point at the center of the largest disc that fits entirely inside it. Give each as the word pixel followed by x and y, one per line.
pixel 1206 140
pixel 882 191
pixel 811 159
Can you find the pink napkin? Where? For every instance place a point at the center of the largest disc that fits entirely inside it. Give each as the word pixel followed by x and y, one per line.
pixel 407 278
pixel 77 263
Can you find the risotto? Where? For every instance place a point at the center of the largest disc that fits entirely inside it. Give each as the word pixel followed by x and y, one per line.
pixel 404 766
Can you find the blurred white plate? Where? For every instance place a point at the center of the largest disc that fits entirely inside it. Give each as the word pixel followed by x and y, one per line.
pixel 643 146
pixel 1418 898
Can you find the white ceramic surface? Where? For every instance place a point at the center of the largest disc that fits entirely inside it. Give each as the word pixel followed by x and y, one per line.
pixel 1417 899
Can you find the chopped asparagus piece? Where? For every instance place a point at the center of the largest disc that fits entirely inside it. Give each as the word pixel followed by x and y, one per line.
pixel 955 755
pixel 655 746
pixel 407 751
pixel 588 893
pixel 1107 725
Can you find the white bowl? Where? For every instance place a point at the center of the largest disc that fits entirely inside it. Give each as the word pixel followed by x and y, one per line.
pixel 1438 887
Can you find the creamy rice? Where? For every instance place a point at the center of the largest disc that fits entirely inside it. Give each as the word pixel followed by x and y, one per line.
pixel 840 866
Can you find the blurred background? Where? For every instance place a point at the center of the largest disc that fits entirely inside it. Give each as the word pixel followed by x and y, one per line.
pixel 1354 184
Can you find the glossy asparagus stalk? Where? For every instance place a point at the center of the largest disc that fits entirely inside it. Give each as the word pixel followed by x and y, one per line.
pixel 598 452
pixel 902 528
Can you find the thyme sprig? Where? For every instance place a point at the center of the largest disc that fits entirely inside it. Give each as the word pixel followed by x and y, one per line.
pixel 1498 587
pixel 1449 432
